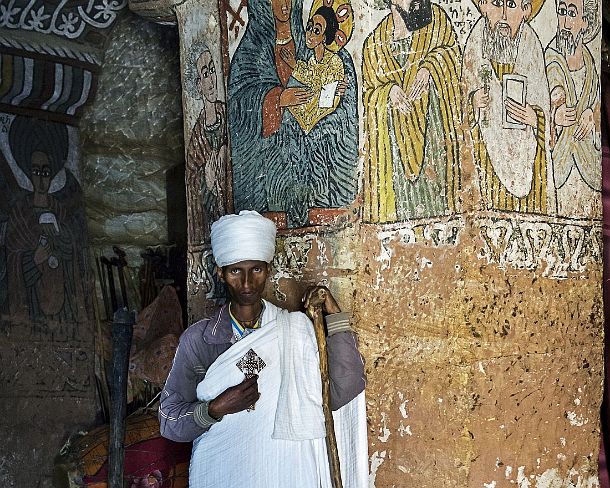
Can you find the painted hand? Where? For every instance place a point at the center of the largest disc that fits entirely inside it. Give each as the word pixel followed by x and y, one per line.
pixel 421 83
pixel 586 125
pixel 341 87
pixel 480 99
pixel 288 57
pixel 565 116
pixel 295 96
pixel 235 399
pixel 524 114
pixel 330 305
pixel 399 100
pixel 42 252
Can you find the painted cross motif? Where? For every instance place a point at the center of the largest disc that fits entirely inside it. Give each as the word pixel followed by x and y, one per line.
pixel 250 364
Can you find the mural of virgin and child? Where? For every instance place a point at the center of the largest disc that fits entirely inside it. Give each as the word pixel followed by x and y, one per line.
pixel 290 154
pixel 45 230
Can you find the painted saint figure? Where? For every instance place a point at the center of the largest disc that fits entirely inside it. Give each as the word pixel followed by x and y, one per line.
pixel 411 72
pixel 508 107
pixel 46 271
pixel 207 155
pixel 575 105
pixel 323 72
pixel 277 166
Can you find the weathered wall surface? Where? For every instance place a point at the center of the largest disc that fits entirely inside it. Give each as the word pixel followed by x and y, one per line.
pixel 132 134
pixel 438 165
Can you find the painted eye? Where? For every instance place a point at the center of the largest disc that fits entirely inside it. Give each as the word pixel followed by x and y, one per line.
pixel 572 13
pixel 562 11
pixel 340 38
pixel 316 31
pixel 344 12
pixel 511 4
pixel 328 3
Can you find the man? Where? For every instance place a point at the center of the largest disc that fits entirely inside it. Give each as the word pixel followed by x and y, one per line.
pixel 508 104
pixel 245 384
pixel 575 105
pixel 411 72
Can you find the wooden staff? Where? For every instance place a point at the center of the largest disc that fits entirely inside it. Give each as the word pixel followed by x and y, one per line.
pixel 314 312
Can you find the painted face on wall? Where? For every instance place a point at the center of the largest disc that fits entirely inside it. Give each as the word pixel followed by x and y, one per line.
pixel 245 281
pixel 206 77
pixel 505 16
pixel 571 25
pixel 416 14
pixel 314 32
pixel 281 9
pixel 41 172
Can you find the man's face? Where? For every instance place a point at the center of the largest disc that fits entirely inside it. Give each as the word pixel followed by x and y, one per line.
pixel 281 9
pixel 41 172
pixel 571 25
pixel 416 14
pixel 245 281
pixel 505 16
pixel 206 77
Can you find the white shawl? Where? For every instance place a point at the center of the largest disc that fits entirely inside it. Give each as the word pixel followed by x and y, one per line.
pixel 280 444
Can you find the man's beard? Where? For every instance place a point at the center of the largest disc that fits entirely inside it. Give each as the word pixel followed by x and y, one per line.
pixel 416 19
pixel 565 42
pixel 499 48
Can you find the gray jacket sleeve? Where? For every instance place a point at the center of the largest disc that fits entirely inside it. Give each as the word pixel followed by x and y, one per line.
pixel 182 417
pixel 345 363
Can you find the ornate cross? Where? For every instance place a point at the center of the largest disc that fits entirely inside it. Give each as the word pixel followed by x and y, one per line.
pixel 250 364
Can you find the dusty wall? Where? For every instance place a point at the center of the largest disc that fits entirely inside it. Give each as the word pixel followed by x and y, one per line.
pixel 447 190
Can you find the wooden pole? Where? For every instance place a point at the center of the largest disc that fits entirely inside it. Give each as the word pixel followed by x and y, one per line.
pixel 122 331
pixel 314 311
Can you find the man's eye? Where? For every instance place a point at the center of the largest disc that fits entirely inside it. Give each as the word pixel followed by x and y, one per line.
pixel 234 271
pixel 562 11
pixel 572 13
pixel 496 3
pixel 511 4
pixel 316 31
pixel 212 69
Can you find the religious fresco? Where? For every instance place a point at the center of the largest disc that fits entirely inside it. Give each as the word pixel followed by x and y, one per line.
pixel 207 149
pixel 575 137
pixel 412 105
pixel 508 108
pixel 43 226
pixel 293 116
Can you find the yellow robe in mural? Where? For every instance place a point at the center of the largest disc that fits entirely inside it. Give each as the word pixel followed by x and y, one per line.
pixel 433 47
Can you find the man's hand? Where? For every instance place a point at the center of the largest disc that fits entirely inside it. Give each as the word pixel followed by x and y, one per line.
pixel 480 99
pixel 421 83
pixel 399 100
pixel 586 124
pixel 295 96
pixel 525 114
pixel 235 399
pixel 341 87
pixel 330 304
pixel 565 116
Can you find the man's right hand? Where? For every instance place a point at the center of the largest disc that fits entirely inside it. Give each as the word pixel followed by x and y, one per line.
pixel 295 96
pixel 399 100
pixel 235 399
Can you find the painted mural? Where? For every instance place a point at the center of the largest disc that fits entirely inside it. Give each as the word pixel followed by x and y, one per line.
pixel 293 116
pixel 508 107
pixel 42 223
pixel 207 150
pixel 575 138
pixel 412 105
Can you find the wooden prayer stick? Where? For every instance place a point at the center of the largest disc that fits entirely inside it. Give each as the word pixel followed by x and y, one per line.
pixel 314 311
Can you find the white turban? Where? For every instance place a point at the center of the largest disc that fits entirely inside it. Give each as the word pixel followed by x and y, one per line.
pixel 245 237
